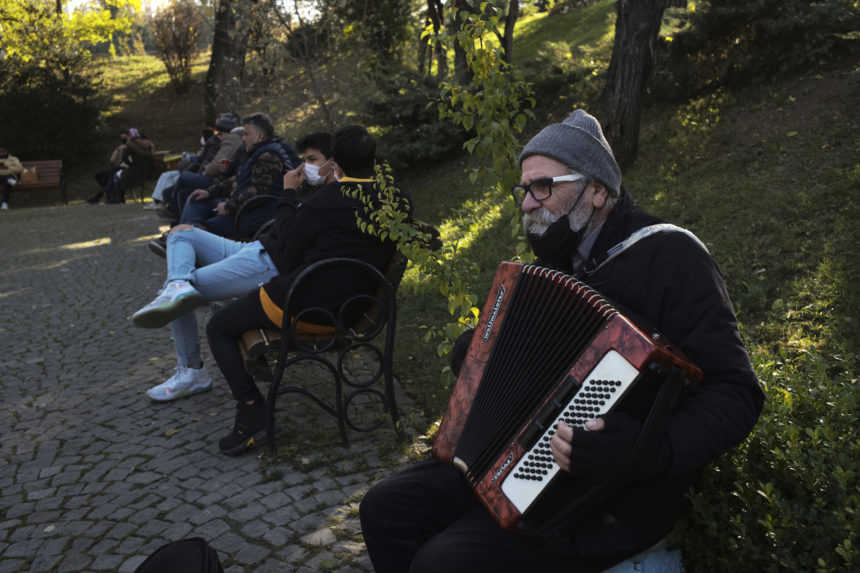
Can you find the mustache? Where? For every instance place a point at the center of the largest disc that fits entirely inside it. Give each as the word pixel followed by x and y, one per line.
pixel 538 221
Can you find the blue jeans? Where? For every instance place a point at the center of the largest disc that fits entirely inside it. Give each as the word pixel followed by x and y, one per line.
pixel 186 184
pixel 198 211
pixel 217 267
pixel 202 212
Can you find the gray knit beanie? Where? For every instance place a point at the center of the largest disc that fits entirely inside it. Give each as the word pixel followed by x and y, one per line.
pixel 226 122
pixel 579 143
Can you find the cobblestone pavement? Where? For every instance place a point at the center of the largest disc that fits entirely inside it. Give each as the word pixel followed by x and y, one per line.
pixel 93 476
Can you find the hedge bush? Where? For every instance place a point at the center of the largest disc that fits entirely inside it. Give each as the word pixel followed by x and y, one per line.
pixel 47 113
pixel 404 110
pixel 734 42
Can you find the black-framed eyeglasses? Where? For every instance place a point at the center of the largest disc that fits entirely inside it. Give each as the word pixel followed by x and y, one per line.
pixel 540 189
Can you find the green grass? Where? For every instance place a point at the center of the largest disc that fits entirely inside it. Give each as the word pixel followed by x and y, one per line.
pixel 579 39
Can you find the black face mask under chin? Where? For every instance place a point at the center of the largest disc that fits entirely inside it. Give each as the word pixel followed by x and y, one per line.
pixel 556 247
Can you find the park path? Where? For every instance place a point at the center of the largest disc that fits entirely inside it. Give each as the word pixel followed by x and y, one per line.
pixel 94 477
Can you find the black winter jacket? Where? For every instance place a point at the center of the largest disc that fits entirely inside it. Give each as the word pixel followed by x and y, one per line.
pixel 672 284
pixel 322 227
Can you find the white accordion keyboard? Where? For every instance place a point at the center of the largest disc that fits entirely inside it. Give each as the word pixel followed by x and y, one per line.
pixel 603 387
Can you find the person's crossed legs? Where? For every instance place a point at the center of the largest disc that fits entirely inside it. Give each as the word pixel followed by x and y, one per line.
pixel 201 267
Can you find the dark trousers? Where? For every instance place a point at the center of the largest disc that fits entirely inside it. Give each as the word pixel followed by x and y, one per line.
pixel 187 183
pixel 198 211
pixel 7 187
pixel 223 331
pixel 202 212
pixel 427 519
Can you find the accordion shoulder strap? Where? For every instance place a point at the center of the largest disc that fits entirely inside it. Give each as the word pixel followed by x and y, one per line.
pixel 643 233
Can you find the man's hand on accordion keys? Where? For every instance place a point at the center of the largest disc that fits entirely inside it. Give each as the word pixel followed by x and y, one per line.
pixel 605 449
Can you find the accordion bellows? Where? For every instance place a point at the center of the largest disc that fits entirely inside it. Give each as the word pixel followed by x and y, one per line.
pixel 547 348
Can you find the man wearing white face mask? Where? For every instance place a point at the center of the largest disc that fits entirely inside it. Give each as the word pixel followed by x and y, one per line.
pixel 315 150
pixel 204 267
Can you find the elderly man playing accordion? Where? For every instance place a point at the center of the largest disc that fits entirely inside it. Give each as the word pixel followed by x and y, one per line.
pixel 581 221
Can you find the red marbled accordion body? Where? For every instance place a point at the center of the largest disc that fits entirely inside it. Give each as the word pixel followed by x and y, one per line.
pixel 610 334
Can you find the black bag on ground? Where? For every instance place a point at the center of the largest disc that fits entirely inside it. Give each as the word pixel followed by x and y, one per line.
pixel 192 555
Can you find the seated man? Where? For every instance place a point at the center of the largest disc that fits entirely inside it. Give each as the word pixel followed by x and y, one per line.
pixel 577 216
pixel 195 174
pixel 325 226
pixel 118 162
pixel 261 174
pixel 131 163
pixel 10 170
pixel 203 267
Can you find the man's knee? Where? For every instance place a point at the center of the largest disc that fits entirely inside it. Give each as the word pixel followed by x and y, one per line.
pixel 368 509
pixel 181 227
pixel 437 555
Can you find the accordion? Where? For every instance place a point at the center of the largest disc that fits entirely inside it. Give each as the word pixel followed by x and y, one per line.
pixel 549 348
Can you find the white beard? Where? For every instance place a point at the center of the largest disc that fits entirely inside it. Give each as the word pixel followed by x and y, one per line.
pixel 538 221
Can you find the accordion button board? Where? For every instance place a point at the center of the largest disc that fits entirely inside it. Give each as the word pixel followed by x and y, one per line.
pixel 603 387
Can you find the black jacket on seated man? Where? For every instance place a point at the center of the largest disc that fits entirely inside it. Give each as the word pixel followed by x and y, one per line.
pixel 672 285
pixel 323 226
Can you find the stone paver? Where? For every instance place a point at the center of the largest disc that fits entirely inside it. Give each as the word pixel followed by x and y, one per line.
pixel 94 477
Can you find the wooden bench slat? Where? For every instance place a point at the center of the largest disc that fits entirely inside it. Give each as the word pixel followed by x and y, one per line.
pixel 49 173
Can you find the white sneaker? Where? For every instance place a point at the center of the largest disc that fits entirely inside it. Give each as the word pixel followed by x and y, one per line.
pixel 4 206
pixel 174 300
pixel 185 382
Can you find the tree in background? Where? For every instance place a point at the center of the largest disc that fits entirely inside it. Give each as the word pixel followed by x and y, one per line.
pixel 382 25
pixel 506 12
pixel 431 37
pixel 41 32
pixel 636 28
pixel 176 30
pixel 227 65
pixel 48 98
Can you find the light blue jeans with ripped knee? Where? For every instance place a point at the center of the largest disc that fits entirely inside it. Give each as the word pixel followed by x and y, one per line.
pixel 217 267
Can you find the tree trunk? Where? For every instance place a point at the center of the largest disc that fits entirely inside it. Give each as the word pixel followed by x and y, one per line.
pixel 510 21
pixel 436 14
pixel 636 32
pixel 462 73
pixel 59 7
pixel 423 44
pixel 227 64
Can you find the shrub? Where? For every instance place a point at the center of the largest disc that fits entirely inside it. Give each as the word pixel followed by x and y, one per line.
pixel 46 113
pixel 733 42
pixel 403 108
pixel 176 30
pixel 788 500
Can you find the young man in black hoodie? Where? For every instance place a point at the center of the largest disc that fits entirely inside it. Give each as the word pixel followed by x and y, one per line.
pixel 581 221
pixel 323 226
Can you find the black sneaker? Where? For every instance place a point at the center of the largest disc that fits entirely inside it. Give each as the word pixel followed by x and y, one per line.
pixel 159 246
pixel 248 431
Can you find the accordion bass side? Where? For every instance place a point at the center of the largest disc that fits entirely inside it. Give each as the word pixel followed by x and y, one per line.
pixel 547 348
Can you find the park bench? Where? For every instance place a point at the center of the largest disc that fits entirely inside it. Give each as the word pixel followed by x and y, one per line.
pixel 43 174
pixel 317 340
pixel 356 401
